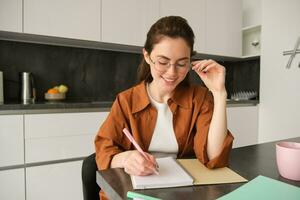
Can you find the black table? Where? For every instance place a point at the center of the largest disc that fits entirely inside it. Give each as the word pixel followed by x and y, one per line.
pixel 249 162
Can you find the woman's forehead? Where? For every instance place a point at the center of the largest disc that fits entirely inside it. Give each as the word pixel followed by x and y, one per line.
pixel 172 47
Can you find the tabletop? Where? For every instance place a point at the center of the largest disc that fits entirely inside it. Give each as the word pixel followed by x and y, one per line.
pixel 249 162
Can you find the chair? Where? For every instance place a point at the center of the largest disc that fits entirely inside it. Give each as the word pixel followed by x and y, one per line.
pixel 88 175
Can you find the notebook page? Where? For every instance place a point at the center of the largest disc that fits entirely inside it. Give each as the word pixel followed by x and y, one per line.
pixel 171 174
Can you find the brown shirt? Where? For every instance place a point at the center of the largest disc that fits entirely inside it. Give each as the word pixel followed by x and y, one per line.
pixel 192 108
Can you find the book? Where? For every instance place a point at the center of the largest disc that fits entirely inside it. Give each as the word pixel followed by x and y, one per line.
pixel 184 172
pixel 171 174
pixel 264 188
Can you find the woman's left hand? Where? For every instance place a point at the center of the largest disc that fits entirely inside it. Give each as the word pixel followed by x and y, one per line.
pixel 211 73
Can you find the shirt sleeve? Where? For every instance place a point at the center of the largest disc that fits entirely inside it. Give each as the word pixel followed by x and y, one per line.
pixel 109 139
pixel 200 138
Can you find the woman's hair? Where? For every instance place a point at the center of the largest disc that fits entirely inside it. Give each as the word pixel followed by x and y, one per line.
pixel 173 27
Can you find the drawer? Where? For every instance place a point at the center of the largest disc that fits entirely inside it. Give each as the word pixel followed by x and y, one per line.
pixel 12 184
pixel 63 124
pixel 54 182
pixel 57 148
pixel 11 140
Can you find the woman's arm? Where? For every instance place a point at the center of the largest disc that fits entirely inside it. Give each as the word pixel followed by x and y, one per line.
pixel 218 126
pixel 213 76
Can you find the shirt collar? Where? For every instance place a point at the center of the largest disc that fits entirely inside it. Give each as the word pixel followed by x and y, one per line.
pixel 182 96
pixel 140 100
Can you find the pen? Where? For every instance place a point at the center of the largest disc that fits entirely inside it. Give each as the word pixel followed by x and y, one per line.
pixel 140 196
pixel 137 146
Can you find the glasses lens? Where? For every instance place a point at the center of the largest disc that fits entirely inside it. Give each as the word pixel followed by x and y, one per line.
pixel 163 65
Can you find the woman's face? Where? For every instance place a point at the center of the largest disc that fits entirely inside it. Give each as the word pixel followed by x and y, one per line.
pixel 169 63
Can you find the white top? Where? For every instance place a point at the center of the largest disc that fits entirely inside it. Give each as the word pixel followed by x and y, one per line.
pixel 163 139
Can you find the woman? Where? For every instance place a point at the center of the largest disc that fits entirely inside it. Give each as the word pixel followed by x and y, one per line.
pixel 164 112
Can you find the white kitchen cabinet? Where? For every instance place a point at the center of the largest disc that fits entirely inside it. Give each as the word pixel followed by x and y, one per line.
pixel 78 19
pixel 12 184
pixel 251 28
pixel 243 123
pixel 216 24
pixel 60 135
pixel 127 22
pixel 223 27
pixel 11 140
pixel 11 15
pixel 55 181
pixel 194 12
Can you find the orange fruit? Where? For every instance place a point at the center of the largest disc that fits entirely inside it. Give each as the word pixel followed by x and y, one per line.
pixel 53 91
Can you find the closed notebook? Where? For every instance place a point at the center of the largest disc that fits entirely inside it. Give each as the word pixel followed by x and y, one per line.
pixel 264 188
pixel 171 174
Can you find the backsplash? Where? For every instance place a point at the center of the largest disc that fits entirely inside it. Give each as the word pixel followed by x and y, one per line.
pixel 92 74
pixel 89 74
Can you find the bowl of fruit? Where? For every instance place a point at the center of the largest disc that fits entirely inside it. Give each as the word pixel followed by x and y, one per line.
pixel 56 93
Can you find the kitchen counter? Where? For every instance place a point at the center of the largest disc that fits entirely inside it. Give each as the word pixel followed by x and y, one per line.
pixel 81 106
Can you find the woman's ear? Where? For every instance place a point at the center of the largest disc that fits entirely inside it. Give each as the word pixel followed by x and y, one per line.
pixel 146 56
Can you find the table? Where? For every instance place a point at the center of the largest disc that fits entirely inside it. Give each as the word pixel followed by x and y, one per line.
pixel 249 162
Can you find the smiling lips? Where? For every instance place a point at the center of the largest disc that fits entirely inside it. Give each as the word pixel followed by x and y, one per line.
pixel 169 80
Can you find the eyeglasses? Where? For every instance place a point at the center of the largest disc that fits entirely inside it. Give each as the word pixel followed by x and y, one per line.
pixel 162 65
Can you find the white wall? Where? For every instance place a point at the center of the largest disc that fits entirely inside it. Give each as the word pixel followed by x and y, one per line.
pixel 279 109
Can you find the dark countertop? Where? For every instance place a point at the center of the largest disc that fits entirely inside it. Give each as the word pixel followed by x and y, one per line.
pixel 55 107
pixel 80 106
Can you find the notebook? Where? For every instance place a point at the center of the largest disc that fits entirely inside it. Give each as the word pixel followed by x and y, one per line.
pixel 264 188
pixel 184 172
pixel 171 174
pixel 204 176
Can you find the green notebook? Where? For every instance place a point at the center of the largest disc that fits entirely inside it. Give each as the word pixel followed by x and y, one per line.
pixel 264 188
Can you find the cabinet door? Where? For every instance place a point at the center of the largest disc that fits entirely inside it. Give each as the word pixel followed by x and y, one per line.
pixel 60 135
pixel 78 19
pixel 194 12
pixel 11 140
pixel 11 15
pixel 224 27
pixel 127 22
pixel 243 123
pixel 56 181
pixel 12 184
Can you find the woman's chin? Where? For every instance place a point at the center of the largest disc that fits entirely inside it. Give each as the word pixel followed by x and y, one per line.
pixel 169 85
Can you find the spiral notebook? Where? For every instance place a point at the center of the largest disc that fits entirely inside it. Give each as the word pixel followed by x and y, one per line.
pixel 171 174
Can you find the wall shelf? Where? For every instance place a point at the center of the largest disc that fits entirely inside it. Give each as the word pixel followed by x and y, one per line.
pixel 251 28
pixel 251 41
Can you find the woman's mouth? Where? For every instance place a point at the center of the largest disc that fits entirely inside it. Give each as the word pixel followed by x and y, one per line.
pixel 169 80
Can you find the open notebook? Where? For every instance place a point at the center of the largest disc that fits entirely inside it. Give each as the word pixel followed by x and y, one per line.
pixel 171 174
pixel 184 172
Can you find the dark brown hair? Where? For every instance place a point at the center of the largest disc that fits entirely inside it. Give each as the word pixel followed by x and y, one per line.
pixel 173 27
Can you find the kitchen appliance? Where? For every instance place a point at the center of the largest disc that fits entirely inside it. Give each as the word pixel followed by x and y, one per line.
pixel 1 88
pixel 27 88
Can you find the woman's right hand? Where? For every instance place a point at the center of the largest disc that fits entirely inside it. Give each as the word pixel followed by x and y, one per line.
pixel 135 163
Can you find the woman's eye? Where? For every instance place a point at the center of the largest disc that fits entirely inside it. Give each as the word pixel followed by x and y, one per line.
pixel 163 62
pixel 181 64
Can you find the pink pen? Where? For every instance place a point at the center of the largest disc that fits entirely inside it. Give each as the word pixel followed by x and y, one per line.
pixel 135 144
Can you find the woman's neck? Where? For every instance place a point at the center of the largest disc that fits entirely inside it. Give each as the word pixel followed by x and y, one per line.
pixel 157 94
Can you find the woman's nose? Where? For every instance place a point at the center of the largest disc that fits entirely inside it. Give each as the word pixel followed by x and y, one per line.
pixel 172 69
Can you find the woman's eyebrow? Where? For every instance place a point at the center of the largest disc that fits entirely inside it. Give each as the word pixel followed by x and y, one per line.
pixel 165 57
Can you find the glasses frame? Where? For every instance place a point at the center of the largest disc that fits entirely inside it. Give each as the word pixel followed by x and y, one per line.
pixel 178 69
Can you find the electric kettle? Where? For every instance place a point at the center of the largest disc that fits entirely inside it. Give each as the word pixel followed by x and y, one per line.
pixel 27 88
